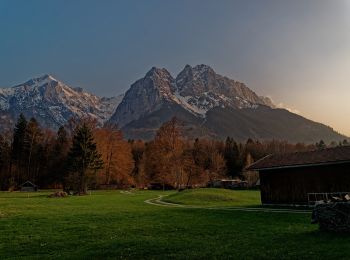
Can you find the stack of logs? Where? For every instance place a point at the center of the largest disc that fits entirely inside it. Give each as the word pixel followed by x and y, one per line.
pixel 333 215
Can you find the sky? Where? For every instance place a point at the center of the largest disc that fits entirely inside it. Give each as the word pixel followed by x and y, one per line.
pixel 296 52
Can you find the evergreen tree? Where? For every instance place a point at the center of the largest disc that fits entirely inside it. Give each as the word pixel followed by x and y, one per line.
pixel 232 157
pixel 83 158
pixel 137 150
pixel 18 150
pixel 321 145
pixel 2 151
pixel 2 163
pixel 199 155
pixel 19 133
pixel 62 138
pixel 32 147
pixel 58 155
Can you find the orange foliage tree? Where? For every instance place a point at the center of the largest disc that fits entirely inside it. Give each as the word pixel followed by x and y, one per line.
pixel 117 157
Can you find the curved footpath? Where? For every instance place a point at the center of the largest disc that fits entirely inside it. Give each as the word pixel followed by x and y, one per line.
pixel 159 202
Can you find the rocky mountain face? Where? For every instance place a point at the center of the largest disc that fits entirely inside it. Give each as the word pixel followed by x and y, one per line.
pixel 52 103
pixel 200 89
pixel 210 105
pixel 144 96
pixel 196 89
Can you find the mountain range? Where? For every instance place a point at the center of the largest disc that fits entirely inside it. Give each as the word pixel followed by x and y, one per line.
pixel 52 103
pixel 208 105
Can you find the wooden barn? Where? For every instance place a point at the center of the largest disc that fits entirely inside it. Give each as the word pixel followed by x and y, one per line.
pixel 289 178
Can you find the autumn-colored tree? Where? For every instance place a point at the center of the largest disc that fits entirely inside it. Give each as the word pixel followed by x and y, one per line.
pixel 193 173
pixel 250 176
pixel 217 166
pixel 163 157
pixel 38 154
pixel 212 160
pixel 116 155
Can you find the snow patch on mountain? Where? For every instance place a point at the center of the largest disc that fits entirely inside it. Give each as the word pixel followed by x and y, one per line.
pixel 53 102
pixel 190 104
pixel 197 89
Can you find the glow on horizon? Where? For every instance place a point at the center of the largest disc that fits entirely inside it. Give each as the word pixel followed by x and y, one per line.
pixel 297 52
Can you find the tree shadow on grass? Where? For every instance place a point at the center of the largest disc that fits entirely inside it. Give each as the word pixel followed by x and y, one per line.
pixel 317 244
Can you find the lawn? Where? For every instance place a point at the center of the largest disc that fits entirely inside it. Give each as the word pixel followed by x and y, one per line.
pixel 118 225
pixel 216 198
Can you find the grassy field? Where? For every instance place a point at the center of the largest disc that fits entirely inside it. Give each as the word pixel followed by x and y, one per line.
pixel 118 225
pixel 216 198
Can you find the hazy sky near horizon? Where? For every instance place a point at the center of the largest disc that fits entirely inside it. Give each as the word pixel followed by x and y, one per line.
pixel 296 52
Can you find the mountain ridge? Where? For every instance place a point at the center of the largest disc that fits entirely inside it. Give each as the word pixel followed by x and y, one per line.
pixel 52 102
pixel 197 89
pixel 209 104
pixel 210 97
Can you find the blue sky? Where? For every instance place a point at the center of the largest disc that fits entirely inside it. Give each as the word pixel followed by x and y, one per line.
pixel 297 52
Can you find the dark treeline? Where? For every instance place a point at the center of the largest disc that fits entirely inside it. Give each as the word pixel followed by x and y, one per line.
pixel 81 156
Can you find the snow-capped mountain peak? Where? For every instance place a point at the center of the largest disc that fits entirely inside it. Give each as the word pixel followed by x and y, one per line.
pixel 52 102
pixel 209 105
pixel 197 89
pixel 39 81
pixel 200 89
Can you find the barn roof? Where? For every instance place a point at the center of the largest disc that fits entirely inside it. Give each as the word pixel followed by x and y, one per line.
pixel 335 155
pixel 28 183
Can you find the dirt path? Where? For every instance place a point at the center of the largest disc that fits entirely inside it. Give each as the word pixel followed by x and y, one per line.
pixel 127 192
pixel 159 202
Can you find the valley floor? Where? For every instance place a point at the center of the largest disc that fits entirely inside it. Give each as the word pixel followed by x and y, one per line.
pixel 114 224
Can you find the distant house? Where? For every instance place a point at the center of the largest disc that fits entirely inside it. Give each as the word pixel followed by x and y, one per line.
pixel 160 186
pixel 229 184
pixel 29 186
pixel 289 178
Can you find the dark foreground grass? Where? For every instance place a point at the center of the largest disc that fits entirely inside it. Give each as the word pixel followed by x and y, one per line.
pixel 119 226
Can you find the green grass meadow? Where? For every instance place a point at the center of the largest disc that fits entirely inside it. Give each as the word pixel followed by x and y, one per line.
pixel 115 225
pixel 216 198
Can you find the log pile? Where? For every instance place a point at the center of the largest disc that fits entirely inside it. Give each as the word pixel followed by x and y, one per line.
pixel 333 215
pixel 58 194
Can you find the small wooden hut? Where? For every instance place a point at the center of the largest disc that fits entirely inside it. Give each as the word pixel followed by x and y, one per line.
pixel 289 178
pixel 29 186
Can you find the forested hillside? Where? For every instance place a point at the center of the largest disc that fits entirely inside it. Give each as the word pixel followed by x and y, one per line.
pixel 81 156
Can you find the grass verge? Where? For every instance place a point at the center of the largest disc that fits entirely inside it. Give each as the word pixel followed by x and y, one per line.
pixel 120 225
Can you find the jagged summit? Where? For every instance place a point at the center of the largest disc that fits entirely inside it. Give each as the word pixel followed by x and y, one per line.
pixel 53 102
pixel 196 89
pixel 44 77
pixel 154 71
pixel 198 71
pixel 209 104
pixel 47 78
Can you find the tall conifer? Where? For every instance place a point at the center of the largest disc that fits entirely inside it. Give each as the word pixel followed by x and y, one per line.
pixel 83 158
